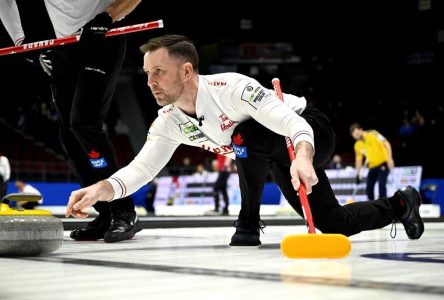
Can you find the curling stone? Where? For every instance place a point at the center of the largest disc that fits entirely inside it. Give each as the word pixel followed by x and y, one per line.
pixel 28 232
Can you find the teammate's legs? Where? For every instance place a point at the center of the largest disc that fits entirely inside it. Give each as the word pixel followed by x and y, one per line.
pixel 66 62
pixel 93 96
pixel 82 106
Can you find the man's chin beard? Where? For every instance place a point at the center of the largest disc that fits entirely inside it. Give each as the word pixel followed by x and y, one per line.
pixel 164 101
pixel 160 102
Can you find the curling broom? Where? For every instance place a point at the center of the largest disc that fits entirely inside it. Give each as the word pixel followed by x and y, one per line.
pixel 75 38
pixel 310 245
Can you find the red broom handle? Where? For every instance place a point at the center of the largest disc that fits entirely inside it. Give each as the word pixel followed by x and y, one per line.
pixel 75 38
pixel 302 191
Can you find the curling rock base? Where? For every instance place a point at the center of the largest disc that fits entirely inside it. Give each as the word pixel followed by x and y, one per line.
pixel 30 235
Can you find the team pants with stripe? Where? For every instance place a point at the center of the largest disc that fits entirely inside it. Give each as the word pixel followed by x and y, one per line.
pixel 83 83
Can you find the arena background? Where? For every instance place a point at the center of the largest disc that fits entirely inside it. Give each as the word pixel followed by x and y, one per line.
pixel 374 62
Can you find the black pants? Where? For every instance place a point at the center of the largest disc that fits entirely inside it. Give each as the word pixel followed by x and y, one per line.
pixel 83 83
pixel 220 186
pixel 3 187
pixel 30 205
pixel 266 150
pixel 377 174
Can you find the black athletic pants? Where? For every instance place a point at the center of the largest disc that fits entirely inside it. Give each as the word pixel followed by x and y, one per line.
pixel 266 150
pixel 377 174
pixel 83 83
pixel 220 186
pixel 3 188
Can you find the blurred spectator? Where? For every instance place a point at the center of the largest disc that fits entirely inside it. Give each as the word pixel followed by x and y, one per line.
pixel 200 170
pixel 336 162
pixel 27 188
pixel 419 122
pixel 5 174
pixel 406 129
pixel 187 168
pixel 222 165
pixel 418 119
pixel 150 196
pixel 21 119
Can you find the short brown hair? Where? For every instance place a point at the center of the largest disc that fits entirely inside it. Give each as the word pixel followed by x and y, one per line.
pixel 355 126
pixel 177 45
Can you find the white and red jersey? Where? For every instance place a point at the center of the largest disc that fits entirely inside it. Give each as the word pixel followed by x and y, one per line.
pixel 223 101
pixel 67 17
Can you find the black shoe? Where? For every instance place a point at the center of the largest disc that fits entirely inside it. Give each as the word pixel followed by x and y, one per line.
pixel 225 212
pixel 123 227
pixel 411 200
pixel 95 230
pixel 246 234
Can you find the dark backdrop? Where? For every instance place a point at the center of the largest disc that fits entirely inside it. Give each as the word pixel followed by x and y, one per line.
pixel 374 62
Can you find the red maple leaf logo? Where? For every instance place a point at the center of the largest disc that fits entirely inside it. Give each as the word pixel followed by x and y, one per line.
pixel 94 154
pixel 237 139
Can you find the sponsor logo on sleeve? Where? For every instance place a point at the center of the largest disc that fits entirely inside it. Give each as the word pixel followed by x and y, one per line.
pixel 253 94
